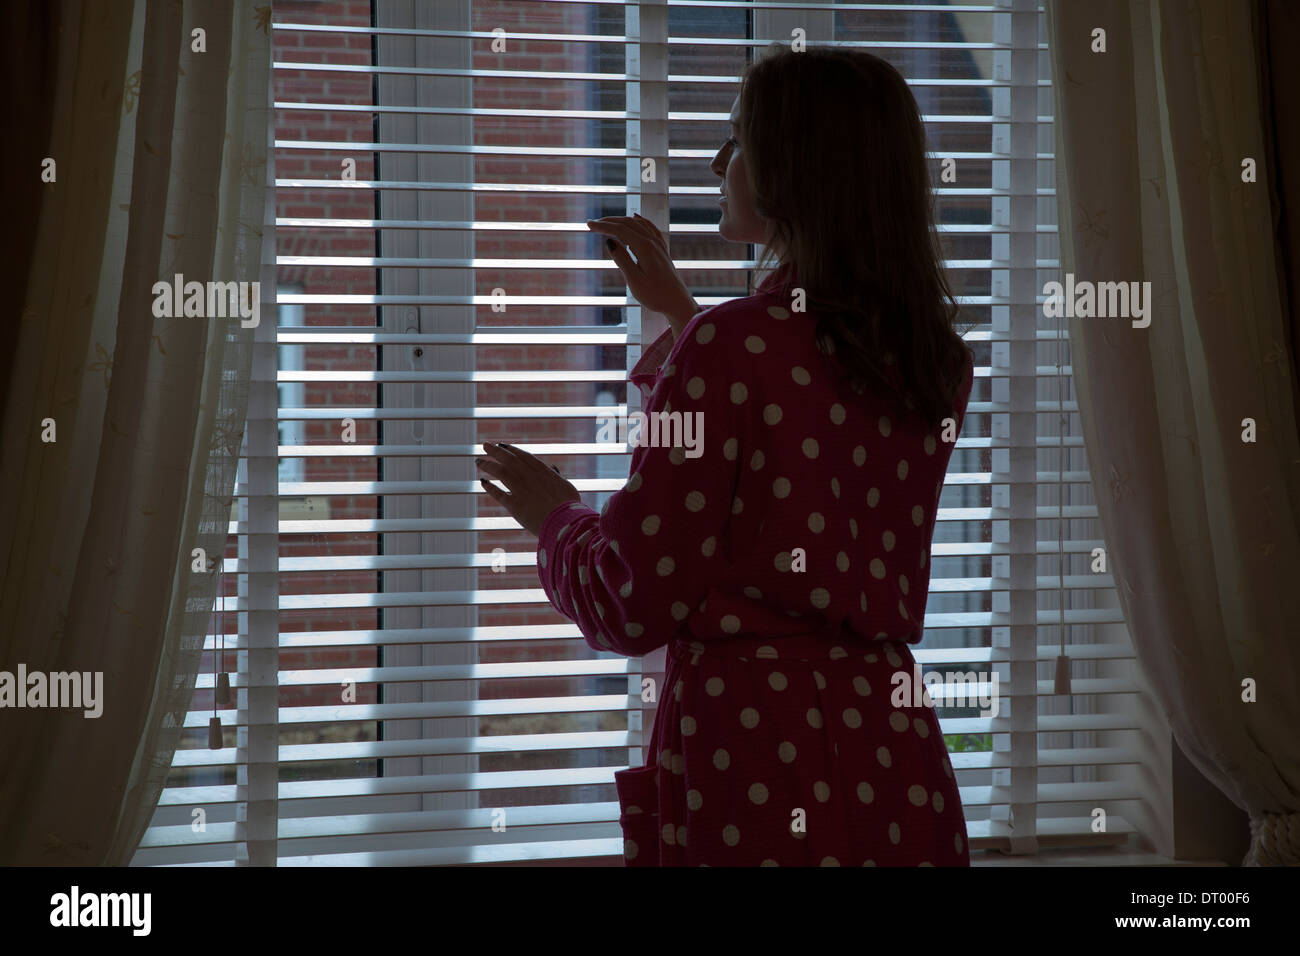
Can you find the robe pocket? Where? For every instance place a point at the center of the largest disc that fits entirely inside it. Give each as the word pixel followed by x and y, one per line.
pixel 638 801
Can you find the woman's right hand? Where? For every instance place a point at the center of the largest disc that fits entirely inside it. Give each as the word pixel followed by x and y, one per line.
pixel 651 278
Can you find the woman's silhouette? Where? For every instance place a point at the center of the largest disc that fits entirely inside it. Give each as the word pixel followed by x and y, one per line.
pixel 786 562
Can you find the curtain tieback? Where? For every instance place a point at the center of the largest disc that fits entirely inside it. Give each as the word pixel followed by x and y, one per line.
pixel 1274 840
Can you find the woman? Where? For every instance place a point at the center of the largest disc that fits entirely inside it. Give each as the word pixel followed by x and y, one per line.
pixel 785 562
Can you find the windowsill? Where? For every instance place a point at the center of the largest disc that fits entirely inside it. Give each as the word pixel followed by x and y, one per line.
pixel 1102 856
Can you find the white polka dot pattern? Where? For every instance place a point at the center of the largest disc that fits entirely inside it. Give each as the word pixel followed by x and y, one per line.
pixel 794 500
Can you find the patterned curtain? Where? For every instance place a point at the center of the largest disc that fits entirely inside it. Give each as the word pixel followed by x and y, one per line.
pixel 121 427
pixel 1191 421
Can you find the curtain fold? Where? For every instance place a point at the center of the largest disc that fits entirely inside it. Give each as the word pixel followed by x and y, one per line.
pixel 1279 73
pixel 161 153
pixel 1202 526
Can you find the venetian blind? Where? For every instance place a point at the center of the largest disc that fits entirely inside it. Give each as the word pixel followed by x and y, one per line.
pixel 405 695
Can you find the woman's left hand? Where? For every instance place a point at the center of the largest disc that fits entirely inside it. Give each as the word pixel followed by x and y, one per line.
pixel 535 488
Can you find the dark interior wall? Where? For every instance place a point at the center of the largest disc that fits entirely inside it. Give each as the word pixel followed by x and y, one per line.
pixel 1278 30
pixel 30 45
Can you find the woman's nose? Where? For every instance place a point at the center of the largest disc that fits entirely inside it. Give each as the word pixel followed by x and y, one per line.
pixel 719 164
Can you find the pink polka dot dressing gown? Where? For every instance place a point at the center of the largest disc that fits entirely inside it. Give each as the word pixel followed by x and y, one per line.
pixel 784 562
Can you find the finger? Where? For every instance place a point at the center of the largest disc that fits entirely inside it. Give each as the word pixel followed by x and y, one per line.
pixel 528 461
pixel 652 231
pixel 494 463
pixel 520 465
pixel 623 228
pixel 505 485
pixel 607 223
pixel 501 452
pixel 493 492
pixel 623 258
pixel 510 453
pixel 636 222
pixel 503 467
pixel 647 243
pixel 636 225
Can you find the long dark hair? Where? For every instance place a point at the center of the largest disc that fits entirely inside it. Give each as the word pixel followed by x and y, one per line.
pixel 836 160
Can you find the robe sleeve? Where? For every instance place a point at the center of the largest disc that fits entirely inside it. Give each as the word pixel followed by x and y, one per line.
pixel 629 576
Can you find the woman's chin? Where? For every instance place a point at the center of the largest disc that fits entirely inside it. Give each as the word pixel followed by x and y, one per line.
pixel 727 230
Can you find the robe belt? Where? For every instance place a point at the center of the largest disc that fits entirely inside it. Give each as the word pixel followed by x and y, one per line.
pixel 816 646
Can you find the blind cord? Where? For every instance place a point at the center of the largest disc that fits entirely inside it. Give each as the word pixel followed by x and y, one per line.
pixel 216 737
pixel 1062 662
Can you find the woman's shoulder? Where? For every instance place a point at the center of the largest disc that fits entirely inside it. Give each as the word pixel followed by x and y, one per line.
pixel 736 321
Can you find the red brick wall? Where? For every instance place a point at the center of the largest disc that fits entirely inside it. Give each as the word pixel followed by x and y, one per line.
pixel 306 86
pixel 523 54
pixel 301 86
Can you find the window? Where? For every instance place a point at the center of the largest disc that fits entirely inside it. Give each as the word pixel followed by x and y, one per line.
pixel 402 684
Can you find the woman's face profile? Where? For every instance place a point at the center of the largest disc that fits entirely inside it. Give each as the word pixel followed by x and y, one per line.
pixel 740 222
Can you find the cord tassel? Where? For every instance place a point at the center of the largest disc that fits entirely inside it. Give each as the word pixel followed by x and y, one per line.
pixel 1062 674
pixel 223 691
pixel 216 738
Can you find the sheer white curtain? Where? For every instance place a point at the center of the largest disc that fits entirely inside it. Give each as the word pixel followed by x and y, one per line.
pixel 1203 527
pixel 160 154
